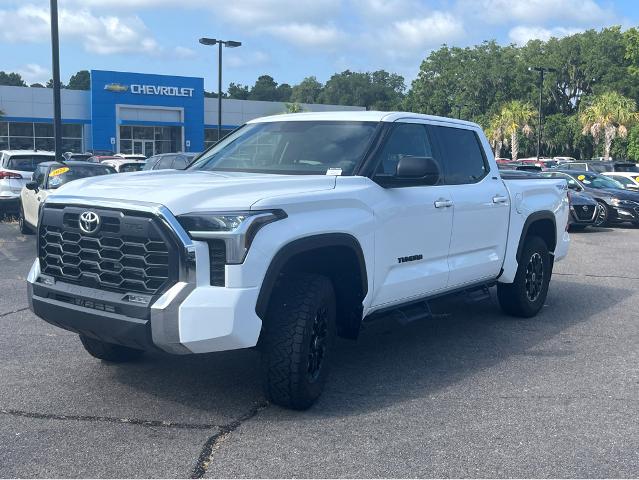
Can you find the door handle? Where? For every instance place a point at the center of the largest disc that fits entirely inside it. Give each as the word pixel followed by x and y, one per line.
pixel 443 203
pixel 38 199
pixel 500 199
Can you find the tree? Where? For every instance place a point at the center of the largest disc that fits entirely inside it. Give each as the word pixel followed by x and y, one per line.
pixel 307 91
pixel 265 89
pixel 495 132
pixel 516 116
pixel 378 90
pixel 284 92
pixel 238 91
pixel 36 85
pixel 80 81
pixel 12 79
pixel 631 38
pixel 633 143
pixel 609 114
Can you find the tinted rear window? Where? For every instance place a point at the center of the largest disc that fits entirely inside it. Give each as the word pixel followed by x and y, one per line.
pixel 26 163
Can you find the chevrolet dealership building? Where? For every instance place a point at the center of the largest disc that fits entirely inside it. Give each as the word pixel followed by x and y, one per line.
pixel 127 113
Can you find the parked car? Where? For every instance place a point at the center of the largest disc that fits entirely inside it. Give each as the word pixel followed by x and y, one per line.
pixel 543 162
pixel 564 159
pixel 630 180
pixel 16 168
pixel 583 210
pixel 101 153
pixel 287 245
pixel 166 161
pixel 47 177
pixel 123 165
pixel 102 158
pixel 616 204
pixel 600 167
pixel 132 156
pixel 80 157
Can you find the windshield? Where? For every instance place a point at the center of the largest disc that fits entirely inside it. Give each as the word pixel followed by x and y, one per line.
pixel 63 175
pixel 598 181
pixel 624 180
pixel 291 147
pixel 27 163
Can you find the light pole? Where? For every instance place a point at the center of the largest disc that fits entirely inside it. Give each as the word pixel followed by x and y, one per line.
pixel 55 57
pixel 542 71
pixel 228 44
pixel 459 107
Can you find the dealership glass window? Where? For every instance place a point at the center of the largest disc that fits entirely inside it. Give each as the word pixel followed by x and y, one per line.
pixel 134 139
pixel 39 135
pixel 210 136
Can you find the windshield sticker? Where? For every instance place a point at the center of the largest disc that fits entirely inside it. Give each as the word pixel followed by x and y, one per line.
pixel 334 171
pixel 59 171
pixel 581 177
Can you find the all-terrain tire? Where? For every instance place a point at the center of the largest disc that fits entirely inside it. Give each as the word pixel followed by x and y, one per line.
pixel 109 351
pixel 297 340
pixel 527 294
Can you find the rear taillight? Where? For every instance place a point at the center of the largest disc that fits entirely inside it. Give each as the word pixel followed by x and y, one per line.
pixel 10 175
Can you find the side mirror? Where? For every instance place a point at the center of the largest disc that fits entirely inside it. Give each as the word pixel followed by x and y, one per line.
pixel 420 169
pixel 574 186
pixel 32 186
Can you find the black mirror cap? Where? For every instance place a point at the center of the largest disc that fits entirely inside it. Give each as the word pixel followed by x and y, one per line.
pixel 32 186
pixel 422 169
pixel 574 187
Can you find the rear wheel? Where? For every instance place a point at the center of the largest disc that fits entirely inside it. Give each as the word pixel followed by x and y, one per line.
pixel 527 294
pixel 109 351
pixel 601 218
pixel 24 228
pixel 297 340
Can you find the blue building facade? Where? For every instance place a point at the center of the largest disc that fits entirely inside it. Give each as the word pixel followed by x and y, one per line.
pixel 145 113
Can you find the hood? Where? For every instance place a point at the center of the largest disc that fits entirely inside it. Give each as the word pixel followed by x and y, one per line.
pixel 581 198
pixel 191 191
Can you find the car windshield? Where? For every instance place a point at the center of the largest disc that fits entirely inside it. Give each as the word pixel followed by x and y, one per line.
pixel 291 147
pixel 27 163
pixel 598 181
pixel 68 173
pixel 624 180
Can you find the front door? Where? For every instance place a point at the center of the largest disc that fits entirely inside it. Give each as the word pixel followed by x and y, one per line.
pixel 143 147
pixel 481 207
pixel 414 226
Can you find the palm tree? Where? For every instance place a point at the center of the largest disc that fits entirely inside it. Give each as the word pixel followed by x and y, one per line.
pixel 610 113
pixel 516 116
pixel 495 134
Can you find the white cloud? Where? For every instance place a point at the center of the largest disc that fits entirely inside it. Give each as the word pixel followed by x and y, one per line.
pixel 183 52
pixel 34 73
pixel 307 34
pixel 242 59
pixel 102 35
pixel 537 11
pixel 522 34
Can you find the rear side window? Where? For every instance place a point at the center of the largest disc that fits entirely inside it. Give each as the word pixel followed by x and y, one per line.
pixel 461 154
pixel 26 163
pixel 165 162
pixel 150 163
pixel 179 163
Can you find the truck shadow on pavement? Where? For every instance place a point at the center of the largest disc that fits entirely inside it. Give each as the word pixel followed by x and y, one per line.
pixel 389 363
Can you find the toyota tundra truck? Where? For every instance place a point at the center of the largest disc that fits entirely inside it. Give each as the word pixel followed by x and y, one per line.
pixel 292 230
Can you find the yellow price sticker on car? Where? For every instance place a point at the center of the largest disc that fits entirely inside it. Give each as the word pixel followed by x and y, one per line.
pixel 637 179
pixel 581 177
pixel 59 171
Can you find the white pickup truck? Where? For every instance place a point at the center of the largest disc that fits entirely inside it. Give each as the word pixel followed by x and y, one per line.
pixel 290 231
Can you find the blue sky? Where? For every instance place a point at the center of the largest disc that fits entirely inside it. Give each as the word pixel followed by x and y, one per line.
pixel 288 39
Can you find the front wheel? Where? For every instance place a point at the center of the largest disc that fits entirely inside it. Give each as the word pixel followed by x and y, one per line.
pixel 601 218
pixel 297 340
pixel 527 294
pixel 22 224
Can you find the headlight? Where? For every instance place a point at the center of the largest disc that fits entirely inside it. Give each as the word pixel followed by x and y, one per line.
pixel 615 201
pixel 624 203
pixel 237 229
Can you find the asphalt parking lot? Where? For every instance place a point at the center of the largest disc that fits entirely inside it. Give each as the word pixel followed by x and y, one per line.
pixel 470 392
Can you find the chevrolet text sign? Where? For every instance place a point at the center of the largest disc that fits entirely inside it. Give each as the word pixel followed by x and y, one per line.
pixel 160 90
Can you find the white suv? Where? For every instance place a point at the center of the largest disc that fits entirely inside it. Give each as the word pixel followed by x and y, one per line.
pixel 16 169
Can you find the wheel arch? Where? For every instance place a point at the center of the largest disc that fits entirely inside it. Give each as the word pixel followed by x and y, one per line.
pixel 337 255
pixel 542 224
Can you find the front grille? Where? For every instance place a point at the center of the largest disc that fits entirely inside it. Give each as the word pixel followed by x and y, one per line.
pixel 217 262
pixel 584 212
pixel 129 253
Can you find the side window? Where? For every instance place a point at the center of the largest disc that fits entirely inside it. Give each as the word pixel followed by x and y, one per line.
pixel 179 163
pixel 165 162
pixel 462 154
pixel 40 176
pixel 406 139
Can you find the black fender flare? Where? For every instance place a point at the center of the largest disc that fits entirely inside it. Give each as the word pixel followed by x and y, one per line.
pixel 532 218
pixel 302 245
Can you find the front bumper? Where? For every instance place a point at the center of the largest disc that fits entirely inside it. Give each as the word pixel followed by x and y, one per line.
pixel 185 319
pixel 191 316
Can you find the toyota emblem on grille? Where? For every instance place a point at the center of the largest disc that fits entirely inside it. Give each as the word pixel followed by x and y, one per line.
pixel 89 222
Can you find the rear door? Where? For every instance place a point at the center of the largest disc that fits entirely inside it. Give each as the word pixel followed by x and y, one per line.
pixel 481 207
pixel 414 225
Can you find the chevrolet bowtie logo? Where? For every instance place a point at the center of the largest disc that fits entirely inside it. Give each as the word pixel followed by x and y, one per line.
pixel 116 87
